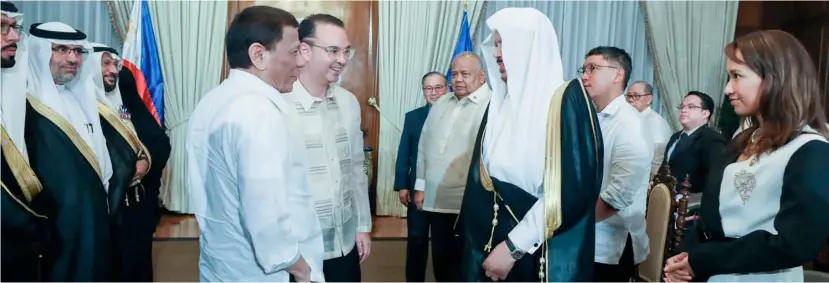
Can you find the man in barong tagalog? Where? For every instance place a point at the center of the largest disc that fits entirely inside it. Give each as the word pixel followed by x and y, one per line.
pixel 529 207
pixel 25 231
pixel 135 226
pixel 84 189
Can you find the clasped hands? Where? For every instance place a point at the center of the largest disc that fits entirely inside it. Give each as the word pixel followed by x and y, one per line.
pixel 677 269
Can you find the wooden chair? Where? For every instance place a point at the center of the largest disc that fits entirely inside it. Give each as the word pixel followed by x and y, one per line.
pixel 665 223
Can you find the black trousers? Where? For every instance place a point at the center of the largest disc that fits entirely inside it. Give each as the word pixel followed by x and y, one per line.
pixel 343 269
pixel 445 246
pixel 622 272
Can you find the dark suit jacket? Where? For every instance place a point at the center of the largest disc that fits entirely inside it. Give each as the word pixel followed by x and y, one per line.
pixel 694 156
pixel 404 172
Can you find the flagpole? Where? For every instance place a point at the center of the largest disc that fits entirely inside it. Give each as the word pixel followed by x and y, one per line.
pixel 465 4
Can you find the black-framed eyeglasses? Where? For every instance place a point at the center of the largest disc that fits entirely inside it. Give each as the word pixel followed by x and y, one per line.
pixel 590 68
pixel 6 28
pixel 690 107
pixel 635 96
pixel 434 88
pixel 335 52
pixel 66 50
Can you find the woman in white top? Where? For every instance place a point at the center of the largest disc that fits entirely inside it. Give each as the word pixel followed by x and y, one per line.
pixel 769 213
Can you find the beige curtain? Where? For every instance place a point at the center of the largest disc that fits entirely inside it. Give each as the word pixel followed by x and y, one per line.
pixel 686 40
pixel 405 53
pixel 190 37
pixel 119 14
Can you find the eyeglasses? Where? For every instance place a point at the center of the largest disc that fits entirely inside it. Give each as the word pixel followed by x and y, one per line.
pixel 435 88
pixel 64 50
pixel 590 68
pixel 690 107
pixel 6 28
pixel 635 96
pixel 335 52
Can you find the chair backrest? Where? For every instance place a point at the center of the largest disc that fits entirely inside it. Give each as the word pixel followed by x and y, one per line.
pixel 658 222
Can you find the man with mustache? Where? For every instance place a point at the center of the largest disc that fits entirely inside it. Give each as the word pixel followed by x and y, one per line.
pixel 328 120
pixel 25 230
pixel 529 206
pixel 84 189
pixel 134 134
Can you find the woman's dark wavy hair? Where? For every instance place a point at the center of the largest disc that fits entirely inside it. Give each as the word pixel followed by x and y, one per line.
pixel 790 96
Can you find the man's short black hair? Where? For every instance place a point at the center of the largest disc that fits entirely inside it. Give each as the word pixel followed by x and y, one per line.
pixel 256 24
pixel 308 26
pixel 432 73
pixel 616 55
pixel 707 101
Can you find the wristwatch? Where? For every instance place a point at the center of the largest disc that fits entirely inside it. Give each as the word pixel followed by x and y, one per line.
pixel 514 251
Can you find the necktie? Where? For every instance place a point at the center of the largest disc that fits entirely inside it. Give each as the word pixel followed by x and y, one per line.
pixel 682 137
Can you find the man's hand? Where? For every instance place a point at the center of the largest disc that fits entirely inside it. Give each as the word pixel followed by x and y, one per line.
pixel 499 263
pixel 677 269
pixel 300 270
pixel 363 245
pixel 419 200
pixel 404 197
pixel 141 168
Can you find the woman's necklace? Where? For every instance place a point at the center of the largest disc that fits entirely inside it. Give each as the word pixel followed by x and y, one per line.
pixel 752 144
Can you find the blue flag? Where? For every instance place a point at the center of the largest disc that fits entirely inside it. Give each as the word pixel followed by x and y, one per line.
pixel 464 44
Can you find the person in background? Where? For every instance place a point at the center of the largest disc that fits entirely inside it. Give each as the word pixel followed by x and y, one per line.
pixel 246 174
pixel 327 119
pixel 764 213
pixel 434 86
pixel 444 154
pixel 621 240
pixel 692 151
pixel 640 95
pixel 25 230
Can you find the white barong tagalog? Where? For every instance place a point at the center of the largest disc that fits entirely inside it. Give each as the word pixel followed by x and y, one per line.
pixel 42 87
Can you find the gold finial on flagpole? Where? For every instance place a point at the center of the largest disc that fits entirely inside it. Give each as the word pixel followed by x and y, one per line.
pixel 465 4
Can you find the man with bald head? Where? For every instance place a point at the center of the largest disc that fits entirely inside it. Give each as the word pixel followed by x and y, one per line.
pixel 640 95
pixel 444 153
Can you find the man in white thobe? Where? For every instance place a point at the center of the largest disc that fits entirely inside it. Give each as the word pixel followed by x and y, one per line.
pixel 83 188
pixel 24 238
pixel 640 95
pixel 328 120
pixel 245 173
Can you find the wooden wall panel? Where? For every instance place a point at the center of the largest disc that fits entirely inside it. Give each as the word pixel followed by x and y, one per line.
pixel 360 76
pixel 808 21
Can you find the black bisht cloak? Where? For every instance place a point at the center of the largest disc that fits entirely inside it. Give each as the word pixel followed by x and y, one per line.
pixel 135 237
pixel 571 249
pixel 25 231
pixel 81 210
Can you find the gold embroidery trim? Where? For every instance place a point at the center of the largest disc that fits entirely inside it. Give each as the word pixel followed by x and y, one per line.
pixel 67 129
pixel 23 173
pixel 129 135
pixel 21 203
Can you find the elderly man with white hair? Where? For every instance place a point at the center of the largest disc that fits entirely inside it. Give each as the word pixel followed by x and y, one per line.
pixel 134 234
pixel 84 188
pixel 529 205
pixel 25 230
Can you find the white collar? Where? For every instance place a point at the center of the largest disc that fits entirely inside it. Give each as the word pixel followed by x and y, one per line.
pixel 301 95
pixel 611 109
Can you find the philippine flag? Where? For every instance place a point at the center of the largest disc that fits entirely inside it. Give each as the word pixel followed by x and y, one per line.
pixel 140 56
